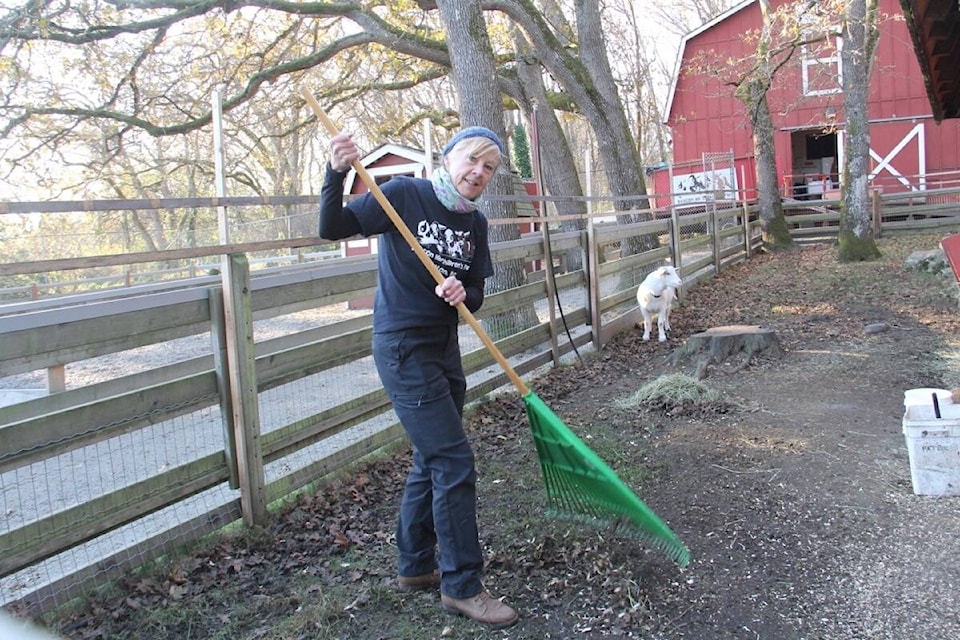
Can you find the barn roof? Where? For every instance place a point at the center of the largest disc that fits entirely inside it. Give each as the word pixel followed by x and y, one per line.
pixel 935 28
pixel 683 45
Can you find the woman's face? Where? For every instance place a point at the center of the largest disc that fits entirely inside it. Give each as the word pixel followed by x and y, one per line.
pixel 471 165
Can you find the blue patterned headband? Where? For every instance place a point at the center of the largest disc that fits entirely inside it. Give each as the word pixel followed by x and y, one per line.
pixel 473 132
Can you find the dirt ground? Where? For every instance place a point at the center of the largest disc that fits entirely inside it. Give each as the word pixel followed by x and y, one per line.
pixel 792 493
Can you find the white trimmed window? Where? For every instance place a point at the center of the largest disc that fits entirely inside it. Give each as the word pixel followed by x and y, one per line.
pixel 821 66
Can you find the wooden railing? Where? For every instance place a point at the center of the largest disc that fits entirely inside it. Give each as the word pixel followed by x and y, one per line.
pixel 230 423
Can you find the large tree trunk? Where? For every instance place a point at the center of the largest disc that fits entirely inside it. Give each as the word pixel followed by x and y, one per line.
pixel 588 80
pixel 474 75
pixel 616 144
pixel 859 39
pixel 753 93
pixel 559 173
pixel 773 223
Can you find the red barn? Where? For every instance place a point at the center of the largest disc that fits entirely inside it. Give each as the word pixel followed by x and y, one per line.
pixel 910 149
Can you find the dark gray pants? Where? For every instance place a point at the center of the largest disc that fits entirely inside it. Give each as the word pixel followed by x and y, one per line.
pixel 422 372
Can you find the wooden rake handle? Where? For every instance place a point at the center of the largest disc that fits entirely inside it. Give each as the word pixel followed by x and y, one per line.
pixel 412 241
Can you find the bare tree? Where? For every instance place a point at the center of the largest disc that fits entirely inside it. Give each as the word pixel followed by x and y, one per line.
pixel 859 45
pixel 581 67
pixel 560 176
pixel 751 89
pixel 149 68
pixel 682 17
pixel 286 40
pixel 639 31
pixel 474 73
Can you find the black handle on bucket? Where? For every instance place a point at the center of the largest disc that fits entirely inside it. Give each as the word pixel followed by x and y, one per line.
pixel 936 405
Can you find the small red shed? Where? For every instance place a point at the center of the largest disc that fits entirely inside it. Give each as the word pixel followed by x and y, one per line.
pixel 910 150
pixel 382 163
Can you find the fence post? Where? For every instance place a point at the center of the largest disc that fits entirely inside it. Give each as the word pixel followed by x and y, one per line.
pixel 675 249
pixel 877 213
pixel 593 284
pixel 221 366
pixel 715 240
pixel 549 276
pixel 550 280
pixel 746 228
pixel 56 379
pixel 243 387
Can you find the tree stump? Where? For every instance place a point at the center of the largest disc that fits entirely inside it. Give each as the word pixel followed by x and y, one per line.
pixel 715 345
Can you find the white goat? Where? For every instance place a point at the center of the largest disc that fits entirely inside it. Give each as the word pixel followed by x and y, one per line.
pixel 655 295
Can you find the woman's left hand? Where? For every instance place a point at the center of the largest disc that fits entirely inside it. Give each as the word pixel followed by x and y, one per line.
pixel 452 291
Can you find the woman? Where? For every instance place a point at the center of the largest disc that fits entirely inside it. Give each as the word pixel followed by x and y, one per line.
pixel 417 353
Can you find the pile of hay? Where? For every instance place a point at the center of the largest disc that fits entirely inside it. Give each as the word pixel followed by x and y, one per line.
pixel 676 394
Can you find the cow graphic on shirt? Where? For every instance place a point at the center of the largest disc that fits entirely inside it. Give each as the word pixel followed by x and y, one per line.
pixel 450 249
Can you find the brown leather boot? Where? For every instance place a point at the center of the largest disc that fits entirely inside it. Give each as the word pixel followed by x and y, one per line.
pixel 426 582
pixel 482 607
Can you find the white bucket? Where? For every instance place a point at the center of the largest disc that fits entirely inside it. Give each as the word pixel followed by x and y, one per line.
pixel 933 445
pixel 924 396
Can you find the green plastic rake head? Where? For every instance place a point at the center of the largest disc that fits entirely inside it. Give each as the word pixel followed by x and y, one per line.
pixel 581 486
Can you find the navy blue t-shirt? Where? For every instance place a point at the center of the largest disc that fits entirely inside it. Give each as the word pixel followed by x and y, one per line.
pixel 457 243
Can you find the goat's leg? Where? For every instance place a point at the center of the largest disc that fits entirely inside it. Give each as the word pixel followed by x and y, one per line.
pixel 647 323
pixel 662 325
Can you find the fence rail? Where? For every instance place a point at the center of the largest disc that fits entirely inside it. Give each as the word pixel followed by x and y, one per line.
pixel 183 409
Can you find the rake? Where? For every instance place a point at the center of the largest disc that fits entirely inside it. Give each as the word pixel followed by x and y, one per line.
pixel 580 486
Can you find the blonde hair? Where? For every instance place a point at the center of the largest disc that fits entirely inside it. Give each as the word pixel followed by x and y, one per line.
pixel 480 147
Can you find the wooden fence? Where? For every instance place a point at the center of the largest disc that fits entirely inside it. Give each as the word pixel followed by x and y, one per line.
pixel 100 477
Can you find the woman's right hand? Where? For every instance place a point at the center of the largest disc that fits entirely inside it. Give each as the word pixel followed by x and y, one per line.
pixel 342 152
